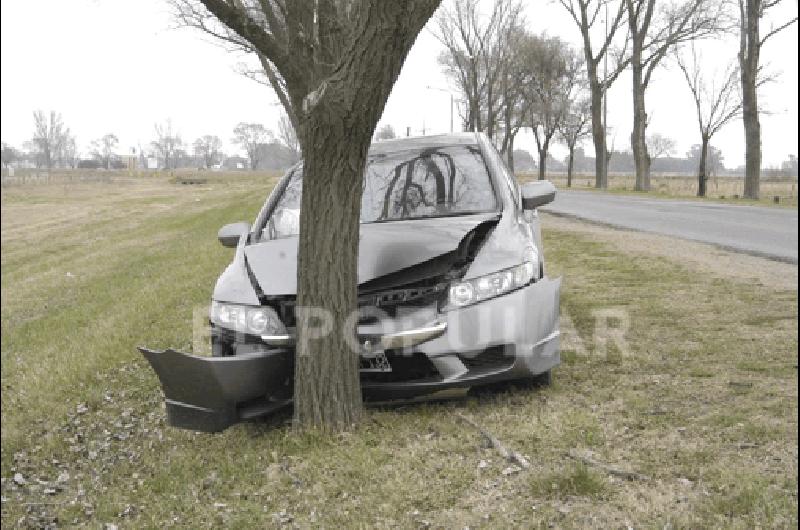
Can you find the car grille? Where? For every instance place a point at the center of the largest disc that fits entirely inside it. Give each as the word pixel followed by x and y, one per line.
pixel 418 294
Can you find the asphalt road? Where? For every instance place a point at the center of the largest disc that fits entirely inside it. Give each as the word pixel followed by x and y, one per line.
pixel 763 231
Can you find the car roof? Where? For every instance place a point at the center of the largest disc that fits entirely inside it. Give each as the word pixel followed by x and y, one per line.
pixel 423 142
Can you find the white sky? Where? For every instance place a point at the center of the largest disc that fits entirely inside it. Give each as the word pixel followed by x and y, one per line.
pixel 115 66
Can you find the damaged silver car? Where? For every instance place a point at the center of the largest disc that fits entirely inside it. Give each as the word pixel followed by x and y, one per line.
pixel 451 284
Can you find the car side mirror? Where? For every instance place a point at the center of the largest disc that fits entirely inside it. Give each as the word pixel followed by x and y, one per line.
pixel 230 234
pixel 538 193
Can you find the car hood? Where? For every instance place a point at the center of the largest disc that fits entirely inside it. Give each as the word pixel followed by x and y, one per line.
pixel 384 248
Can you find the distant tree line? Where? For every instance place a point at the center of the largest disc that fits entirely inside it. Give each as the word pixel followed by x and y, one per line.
pixel 509 79
pixel 53 146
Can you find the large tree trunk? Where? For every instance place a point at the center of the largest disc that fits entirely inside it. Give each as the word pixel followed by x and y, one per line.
pixel 641 157
pixel 702 170
pixel 748 61
pixel 335 133
pixel 599 137
pixel 327 387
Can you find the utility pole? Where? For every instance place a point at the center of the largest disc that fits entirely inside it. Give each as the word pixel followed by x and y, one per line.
pixel 452 102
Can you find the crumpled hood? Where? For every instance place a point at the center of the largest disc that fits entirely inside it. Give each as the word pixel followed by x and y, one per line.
pixel 384 248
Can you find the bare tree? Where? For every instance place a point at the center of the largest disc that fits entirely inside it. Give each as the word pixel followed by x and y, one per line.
pixel 555 72
pixel 70 151
pixel 654 30
pixel 103 149
pixel 287 134
pixel 207 147
pixel 516 77
pixel 659 145
pixel 49 136
pixel 338 62
pixel 750 43
pixel 385 133
pixel 586 14
pixel 10 155
pixel 575 126
pixel 167 143
pixel 717 102
pixel 249 136
pixel 476 51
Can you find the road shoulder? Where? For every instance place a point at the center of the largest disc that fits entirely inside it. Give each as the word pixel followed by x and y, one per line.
pixel 704 258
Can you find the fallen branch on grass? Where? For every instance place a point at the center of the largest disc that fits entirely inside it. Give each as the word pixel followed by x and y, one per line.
pixel 611 470
pixel 511 456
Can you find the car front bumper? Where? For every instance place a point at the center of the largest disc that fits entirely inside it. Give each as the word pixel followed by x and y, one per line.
pixel 519 330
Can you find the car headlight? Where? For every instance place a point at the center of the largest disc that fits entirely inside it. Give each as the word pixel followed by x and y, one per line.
pixel 496 284
pixel 255 320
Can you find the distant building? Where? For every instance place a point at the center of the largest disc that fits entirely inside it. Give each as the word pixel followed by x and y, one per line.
pixel 235 162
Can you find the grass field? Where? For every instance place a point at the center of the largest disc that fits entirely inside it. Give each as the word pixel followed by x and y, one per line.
pixel 702 400
pixel 723 189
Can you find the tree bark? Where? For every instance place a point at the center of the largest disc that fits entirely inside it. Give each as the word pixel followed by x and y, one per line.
pixel 327 387
pixel 641 157
pixel 749 51
pixel 598 136
pixel 702 170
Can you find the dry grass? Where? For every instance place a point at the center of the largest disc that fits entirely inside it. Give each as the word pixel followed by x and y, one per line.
pixel 727 189
pixel 703 400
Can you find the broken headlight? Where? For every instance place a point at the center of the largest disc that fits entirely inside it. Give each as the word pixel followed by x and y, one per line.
pixel 254 320
pixel 496 284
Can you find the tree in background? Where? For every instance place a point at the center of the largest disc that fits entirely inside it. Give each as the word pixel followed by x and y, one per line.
pixel 386 133
pixel 750 42
pixel 166 144
pixel 249 136
pixel 654 30
pixel 50 136
pixel 717 102
pixel 789 166
pixel 575 126
pixel 477 49
pixel 556 69
pixel 336 63
pixel 659 145
pixel 516 77
pixel 9 154
pixel 207 148
pixel 586 14
pixel 287 134
pixel 70 151
pixel 103 148
pixel 715 160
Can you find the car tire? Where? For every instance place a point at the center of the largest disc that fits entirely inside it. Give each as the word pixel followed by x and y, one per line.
pixel 543 379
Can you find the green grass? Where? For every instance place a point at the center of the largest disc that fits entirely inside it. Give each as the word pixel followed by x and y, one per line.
pixel 703 400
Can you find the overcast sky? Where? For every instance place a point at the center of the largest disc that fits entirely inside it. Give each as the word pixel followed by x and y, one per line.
pixel 119 67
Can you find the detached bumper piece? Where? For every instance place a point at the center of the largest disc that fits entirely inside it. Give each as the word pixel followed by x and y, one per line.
pixel 210 394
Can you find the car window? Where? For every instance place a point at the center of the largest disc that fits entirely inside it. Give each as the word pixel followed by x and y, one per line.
pixel 435 182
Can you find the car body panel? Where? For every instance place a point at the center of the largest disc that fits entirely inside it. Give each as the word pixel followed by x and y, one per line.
pixel 384 248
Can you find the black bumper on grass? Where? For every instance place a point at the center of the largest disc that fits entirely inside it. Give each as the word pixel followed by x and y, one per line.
pixel 212 393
